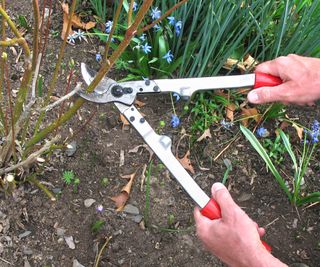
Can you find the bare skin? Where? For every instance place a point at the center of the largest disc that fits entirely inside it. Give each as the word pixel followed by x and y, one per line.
pixel 234 238
pixel 301 81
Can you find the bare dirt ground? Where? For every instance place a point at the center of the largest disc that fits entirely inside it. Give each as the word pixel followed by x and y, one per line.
pixel 35 230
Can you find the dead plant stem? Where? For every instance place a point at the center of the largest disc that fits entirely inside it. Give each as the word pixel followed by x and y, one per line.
pixel 36 18
pixel 96 264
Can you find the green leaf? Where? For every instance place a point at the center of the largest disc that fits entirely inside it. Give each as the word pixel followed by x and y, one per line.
pixel 261 151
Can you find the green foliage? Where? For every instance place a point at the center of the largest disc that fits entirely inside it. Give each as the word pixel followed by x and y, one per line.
pixel 97 226
pixel 208 109
pixel 275 149
pixel 105 181
pixel 171 220
pixel 295 195
pixel 24 23
pixel 100 8
pixel 68 177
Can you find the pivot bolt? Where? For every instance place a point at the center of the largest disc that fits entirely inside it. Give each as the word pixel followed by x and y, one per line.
pixel 117 91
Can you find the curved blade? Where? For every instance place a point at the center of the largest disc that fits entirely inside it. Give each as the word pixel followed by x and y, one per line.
pixel 101 92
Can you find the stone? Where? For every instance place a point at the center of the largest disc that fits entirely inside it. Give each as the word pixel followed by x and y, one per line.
pixel 88 202
pixel 130 209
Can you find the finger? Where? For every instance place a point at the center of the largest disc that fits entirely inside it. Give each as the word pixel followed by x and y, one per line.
pixel 261 231
pixel 270 94
pixel 221 194
pixel 199 218
pixel 276 67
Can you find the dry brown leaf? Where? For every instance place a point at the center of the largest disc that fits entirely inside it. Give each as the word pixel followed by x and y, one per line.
pixel 206 134
pixel 75 22
pixel 230 111
pixel 139 104
pixel 121 199
pixel 186 163
pixel 230 63
pixel 299 130
pixel 125 123
pixel 251 113
pixel 136 149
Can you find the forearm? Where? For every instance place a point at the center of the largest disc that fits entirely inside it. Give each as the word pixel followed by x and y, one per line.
pixel 259 259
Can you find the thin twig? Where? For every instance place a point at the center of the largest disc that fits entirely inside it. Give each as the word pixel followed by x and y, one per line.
pixel 311 205
pixel 265 226
pixel 62 99
pixel 35 78
pixel 8 262
pixel 31 158
pixel 223 150
pixel 96 264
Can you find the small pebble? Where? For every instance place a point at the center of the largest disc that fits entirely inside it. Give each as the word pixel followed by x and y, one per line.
pixel 88 202
pixel 25 234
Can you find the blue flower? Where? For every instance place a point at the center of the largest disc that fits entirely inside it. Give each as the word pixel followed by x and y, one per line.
pixel 109 24
pixel 156 28
pixel 177 96
pixel 155 13
pixel 226 124
pixel 262 132
pixel 135 6
pixel 168 56
pixel 146 48
pixel 178 27
pixel 80 34
pixel 175 121
pixel 71 38
pixel 98 57
pixel 314 132
pixel 143 37
pixel 172 20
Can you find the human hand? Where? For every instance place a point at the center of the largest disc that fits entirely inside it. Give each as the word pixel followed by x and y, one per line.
pixel 234 238
pixel 301 81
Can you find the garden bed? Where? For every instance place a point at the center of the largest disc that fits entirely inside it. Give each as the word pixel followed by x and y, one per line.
pixel 38 231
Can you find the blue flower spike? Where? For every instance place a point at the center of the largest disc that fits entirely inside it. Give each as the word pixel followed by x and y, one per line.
pixel 98 57
pixel 314 133
pixel 143 37
pixel 156 28
pixel 177 96
pixel 146 48
pixel 80 35
pixel 172 20
pixel 262 132
pixel 155 13
pixel 108 25
pixel 178 27
pixel 135 7
pixel 175 121
pixel 71 38
pixel 168 56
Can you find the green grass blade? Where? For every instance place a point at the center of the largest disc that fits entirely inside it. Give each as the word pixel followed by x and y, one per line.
pixel 261 151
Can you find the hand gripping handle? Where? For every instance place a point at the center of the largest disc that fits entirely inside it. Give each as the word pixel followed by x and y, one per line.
pixel 213 212
pixel 264 79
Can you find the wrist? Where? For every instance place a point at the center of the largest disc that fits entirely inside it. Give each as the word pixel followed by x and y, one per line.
pixel 258 257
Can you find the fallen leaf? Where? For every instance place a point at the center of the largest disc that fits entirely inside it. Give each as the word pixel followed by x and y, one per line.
pixel 186 163
pixel 230 111
pixel 251 113
pixel 75 22
pixel 299 130
pixel 249 62
pixel 121 199
pixel 139 104
pixel 125 123
pixel 206 134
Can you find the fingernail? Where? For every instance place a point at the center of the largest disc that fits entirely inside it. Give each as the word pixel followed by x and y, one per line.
pixel 253 97
pixel 218 186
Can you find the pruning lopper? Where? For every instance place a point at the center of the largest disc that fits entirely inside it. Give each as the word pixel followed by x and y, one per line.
pixel 124 94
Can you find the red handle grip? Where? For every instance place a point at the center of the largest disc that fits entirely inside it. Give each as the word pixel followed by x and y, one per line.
pixel 263 79
pixel 213 212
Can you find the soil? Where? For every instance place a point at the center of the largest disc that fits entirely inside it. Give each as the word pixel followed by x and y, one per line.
pixel 34 229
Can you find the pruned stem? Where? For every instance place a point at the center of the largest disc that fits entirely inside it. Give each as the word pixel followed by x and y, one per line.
pixel 36 182
pixel 96 264
pixel 115 21
pixel 32 157
pixel 15 30
pixel 12 42
pixel 148 27
pixel 62 99
pixel 36 17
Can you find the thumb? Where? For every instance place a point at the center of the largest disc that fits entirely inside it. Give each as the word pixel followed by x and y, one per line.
pixel 222 196
pixel 281 93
